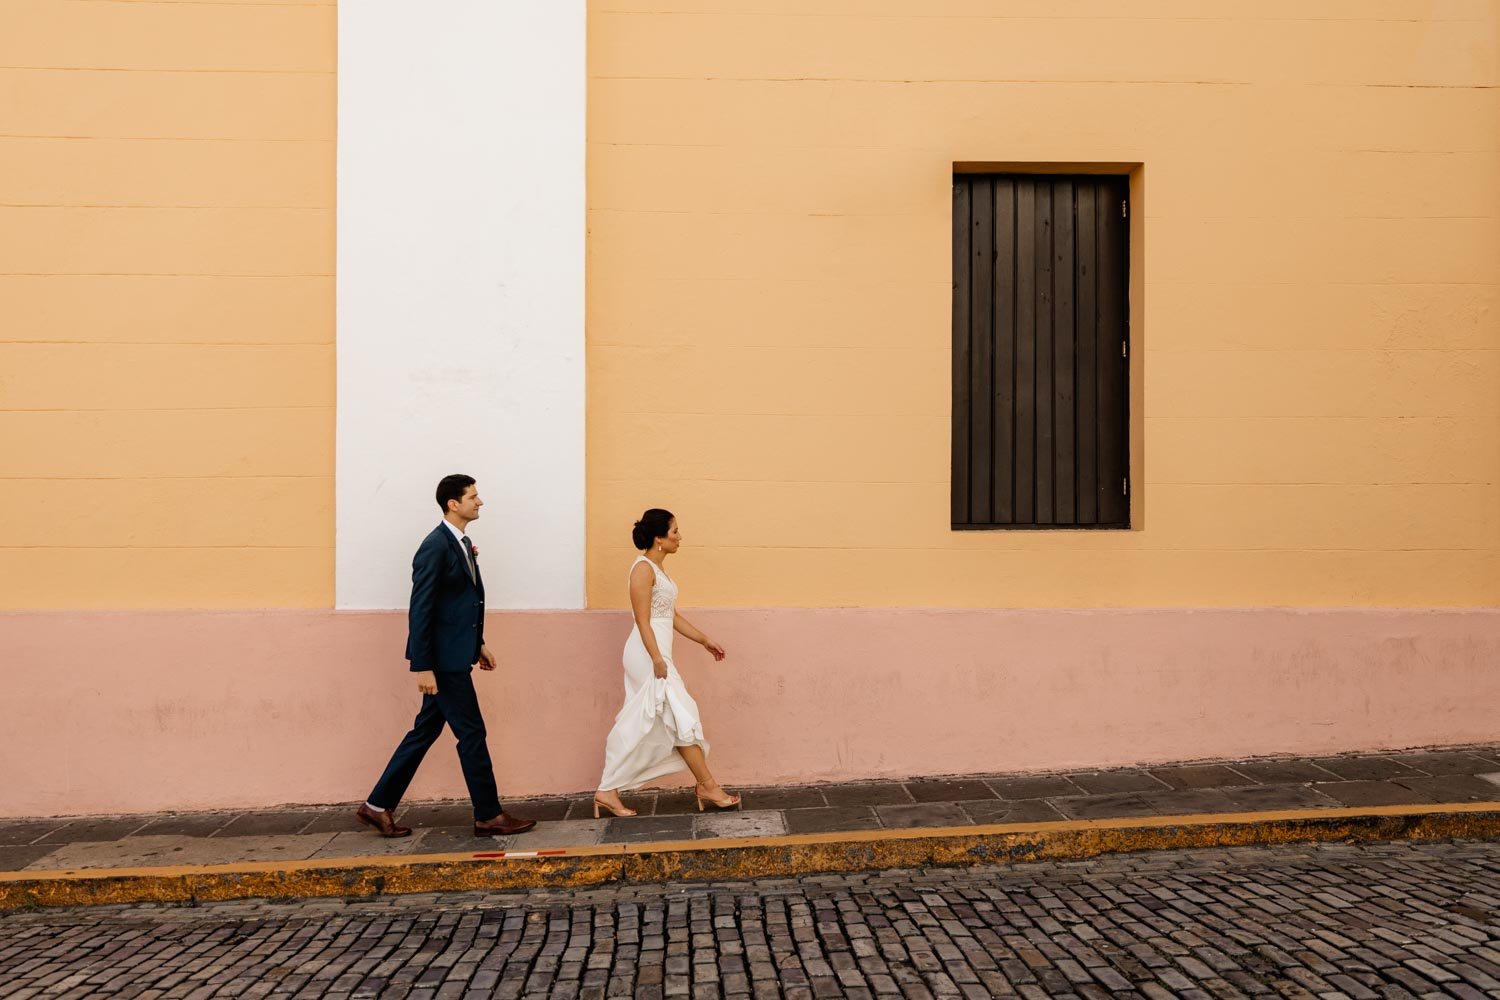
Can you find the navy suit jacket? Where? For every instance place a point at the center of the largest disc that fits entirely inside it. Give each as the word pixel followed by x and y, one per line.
pixel 445 626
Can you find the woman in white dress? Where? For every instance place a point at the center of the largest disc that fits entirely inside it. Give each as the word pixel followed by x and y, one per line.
pixel 658 732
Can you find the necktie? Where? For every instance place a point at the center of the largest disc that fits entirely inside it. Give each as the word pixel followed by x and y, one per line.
pixel 469 559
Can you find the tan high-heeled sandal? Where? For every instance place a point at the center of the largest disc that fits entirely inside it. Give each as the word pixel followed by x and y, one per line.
pixel 623 810
pixel 727 802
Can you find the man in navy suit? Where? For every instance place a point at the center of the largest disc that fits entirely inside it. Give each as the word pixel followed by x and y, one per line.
pixel 445 638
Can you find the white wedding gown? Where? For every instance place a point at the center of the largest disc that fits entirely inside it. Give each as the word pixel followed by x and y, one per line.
pixel 659 715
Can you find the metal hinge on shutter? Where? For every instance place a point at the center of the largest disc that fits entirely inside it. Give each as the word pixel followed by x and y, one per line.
pixel 1125 486
pixel 1124 209
pixel 1124 348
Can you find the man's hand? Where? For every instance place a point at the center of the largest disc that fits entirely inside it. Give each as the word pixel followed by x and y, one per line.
pixel 487 659
pixel 426 682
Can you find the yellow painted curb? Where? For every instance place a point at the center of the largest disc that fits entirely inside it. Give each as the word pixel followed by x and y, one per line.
pixel 739 859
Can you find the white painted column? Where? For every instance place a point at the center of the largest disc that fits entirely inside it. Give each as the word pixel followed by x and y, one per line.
pixel 460 290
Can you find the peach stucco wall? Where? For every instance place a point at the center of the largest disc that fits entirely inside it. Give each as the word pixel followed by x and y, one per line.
pixel 1315 309
pixel 166 304
pixel 152 710
pixel 1315 318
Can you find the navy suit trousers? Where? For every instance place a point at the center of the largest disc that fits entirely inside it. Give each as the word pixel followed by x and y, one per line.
pixel 457 705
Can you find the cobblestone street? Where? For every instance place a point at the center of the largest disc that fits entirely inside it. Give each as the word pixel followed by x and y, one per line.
pixel 1330 921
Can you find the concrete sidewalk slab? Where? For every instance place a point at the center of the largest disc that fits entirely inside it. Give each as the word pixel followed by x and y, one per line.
pixel 167 851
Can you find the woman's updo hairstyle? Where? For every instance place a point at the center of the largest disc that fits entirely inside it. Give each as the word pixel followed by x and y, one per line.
pixel 654 524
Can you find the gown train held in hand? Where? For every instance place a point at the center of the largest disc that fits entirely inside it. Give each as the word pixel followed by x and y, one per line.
pixel 659 715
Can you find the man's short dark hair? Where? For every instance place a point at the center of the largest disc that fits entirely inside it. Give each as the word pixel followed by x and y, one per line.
pixel 452 488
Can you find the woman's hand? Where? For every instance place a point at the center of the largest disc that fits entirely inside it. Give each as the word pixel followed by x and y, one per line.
pixel 714 648
pixel 659 667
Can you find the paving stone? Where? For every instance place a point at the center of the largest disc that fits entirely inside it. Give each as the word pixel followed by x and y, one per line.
pixel 451 840
pixel 675 802
pixel 791 797
pixel 561 833
pixel 27 831
pixel 1011 811
pixel 1200 776
pixel 268 822
pixel 1267 797
pixel 1270 772
pixel 923 814
pixel 1044 786
pixel 1364 768
pixel 1120 804
pixel 1451 788
pixel 436 814
pixel 644 803
pixel 1369 793
pixel 14 857
pixel 867 793
pixel 645 829
pixel 155 851
pixel 186 825
pixel 952 790
pixel 1109 782
pixel 1491 754
pixel 335 819
pixel 366 843
pixel 757 823
pixel 1439 762
pixel 1188 801
pixel 542 810
pixel 96 828
pixel 831 819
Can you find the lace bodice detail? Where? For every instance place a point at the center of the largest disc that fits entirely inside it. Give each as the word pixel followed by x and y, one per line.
pixel 663 592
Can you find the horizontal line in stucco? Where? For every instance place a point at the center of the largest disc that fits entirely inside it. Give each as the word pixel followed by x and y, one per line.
pixel 165 409
pixel 154 274
pixel 167 343
pixel 1125 547
pixel 944 482
pixel 171 71
pixel 165 138
pixel 922 214
pixel 168 548
pixel 155 479
pixel 884 413
pixel 211 207
pixel 938 81
pixel 1042 18
pixel 945 349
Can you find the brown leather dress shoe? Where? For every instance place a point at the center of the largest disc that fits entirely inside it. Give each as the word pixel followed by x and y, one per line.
pixel 502 826
pixel 383 821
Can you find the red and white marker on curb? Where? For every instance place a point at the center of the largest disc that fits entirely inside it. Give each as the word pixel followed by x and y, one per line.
pixel 520 854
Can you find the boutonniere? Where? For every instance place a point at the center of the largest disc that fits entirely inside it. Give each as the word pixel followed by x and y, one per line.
pixel 474 550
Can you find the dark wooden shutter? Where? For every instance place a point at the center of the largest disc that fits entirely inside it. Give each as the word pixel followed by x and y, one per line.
pixel 1040 337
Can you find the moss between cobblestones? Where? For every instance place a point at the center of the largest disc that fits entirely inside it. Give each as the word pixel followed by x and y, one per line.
pixel 734 860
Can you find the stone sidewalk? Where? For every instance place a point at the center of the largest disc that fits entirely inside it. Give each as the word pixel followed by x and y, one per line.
pixel 1447 776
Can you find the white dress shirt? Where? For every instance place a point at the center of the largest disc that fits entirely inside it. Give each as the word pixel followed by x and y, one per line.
pixel 460 536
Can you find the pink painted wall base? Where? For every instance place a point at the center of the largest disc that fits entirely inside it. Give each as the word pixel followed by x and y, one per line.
pixel 144 711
